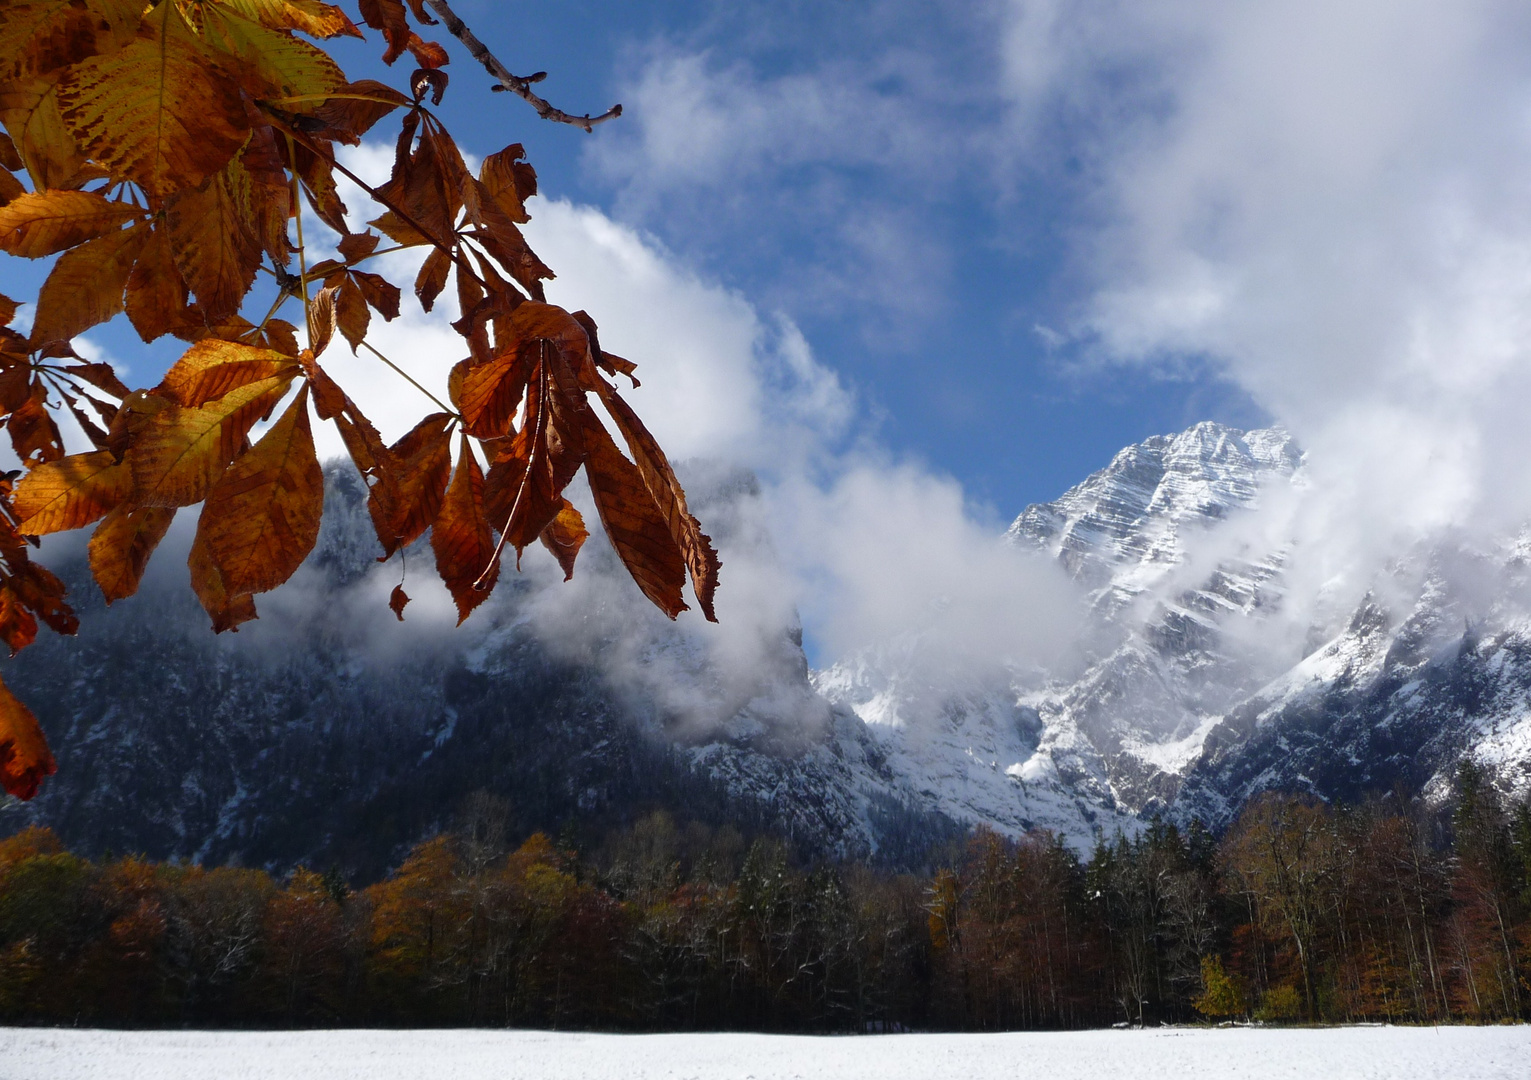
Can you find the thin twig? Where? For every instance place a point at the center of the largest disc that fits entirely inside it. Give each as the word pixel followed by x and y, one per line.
pixel 519 85
pixel 408 378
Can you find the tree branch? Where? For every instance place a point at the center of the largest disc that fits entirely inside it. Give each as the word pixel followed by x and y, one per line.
pixel 516 84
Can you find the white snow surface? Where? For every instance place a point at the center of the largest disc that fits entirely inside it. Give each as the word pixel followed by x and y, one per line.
pixel 1373 1053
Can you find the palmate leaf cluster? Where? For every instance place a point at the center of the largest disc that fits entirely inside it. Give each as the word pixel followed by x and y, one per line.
pixel 162 151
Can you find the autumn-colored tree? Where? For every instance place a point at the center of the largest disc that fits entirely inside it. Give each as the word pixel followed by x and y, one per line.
pixel 163 151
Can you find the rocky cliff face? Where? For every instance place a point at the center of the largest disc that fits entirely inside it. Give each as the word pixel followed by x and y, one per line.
pixel 330 734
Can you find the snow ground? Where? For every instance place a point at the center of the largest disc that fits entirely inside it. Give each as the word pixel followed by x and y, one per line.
pixel 1170 1054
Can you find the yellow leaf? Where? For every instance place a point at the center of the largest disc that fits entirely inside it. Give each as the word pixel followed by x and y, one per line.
pixel 121 545
pixel 161 111
pixel 178 453
pixel 86 285
pixel 24 755
pixel 212 236
pixel 45 222
pixel 212 367
pixel 30 112
pixel 311 17
pixel 261 519
pixel 274 66
pixel 70 493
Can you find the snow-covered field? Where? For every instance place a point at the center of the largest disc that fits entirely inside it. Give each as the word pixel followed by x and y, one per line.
pixel 1171 1054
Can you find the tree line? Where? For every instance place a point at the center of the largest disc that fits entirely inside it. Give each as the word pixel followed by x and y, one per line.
pixel 1301 912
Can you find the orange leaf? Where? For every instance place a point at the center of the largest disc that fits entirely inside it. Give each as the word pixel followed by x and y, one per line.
pixel 212 367
pixel 389 17
pixel 396 601
pixel 212 236
pixel 321 319
pixel 490 393
pixel 121 545
pixel 226 611
pixel 24 755
pixel 30 112
pixel 18 626
pixel 461 538
pixel 316 19
pixel 431 279
pixel 633 522
pixel 156 293
pixel 34 435
pixel 351 314
pixel 177 453
pixel 261 518
pixel 564 536
pixel 418 468
pixel 45 222
pixel 509 181
pixel 70 493
pixel 86 285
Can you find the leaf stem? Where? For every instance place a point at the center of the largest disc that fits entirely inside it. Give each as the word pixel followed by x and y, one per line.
pixel 410 379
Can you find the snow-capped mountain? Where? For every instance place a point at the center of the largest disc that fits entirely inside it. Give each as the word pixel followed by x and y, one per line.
pixel 1202 675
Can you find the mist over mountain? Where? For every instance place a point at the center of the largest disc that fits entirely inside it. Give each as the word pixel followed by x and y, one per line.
pixel 1211 659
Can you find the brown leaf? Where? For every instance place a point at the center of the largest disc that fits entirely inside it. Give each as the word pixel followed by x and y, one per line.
pixel 695 545
pixel 261 519
pixel 564 536
pixel 383 296
pixel 24 755
pixel 389 17
pixel 70 493
pixel 316 19
pixel 120 547
pixel 45 222
pixel 227 611
pixel 85 287
pixel 351 314
pixel 18 626
pixel 156 292
pixel 161 111
pixel 10 187
pixel 350 115
pixel 321 319
pixel 431 279
pixel 7 310
pixel 38 588
pixel 212 367
pixel 461 538
pixel 509 181
pixel 101 376
pixel 355 246
pixel 270 192
pixel 177 453
pixel 633 522
pixel 271 65
pixel 213 239
pixel 419 467
pixel 396 601
pixel 428 54
pixel 34 435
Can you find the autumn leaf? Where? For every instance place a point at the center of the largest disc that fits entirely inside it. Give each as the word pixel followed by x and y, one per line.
pixel 309 16
pixel 418 467
pixel 156 293
pixel 695 545
pixel 162 111
pixel 351 314
pixel 46 222
pixel 261 519
pixel 564 536
pixel 70 493
pixel 633 522
pixel 18 626
pixel 461 537
pixel 24 755
pixel 29 110
pixel 212 367
pixel 34 435
pixel 120 547
pixel 509 181
pixel 228 611
pixel 491 393
pixel 389 17
pixel 177 453
pixel 213 240
pixel 396 601
pixel 87 284
pixel 44 36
